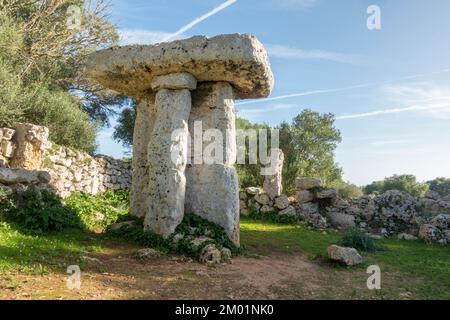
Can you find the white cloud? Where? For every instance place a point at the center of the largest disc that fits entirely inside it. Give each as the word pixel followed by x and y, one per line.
pixel 191 24
pixel 358 86
pixel 287 52
pixel 426 107
pixel 407 93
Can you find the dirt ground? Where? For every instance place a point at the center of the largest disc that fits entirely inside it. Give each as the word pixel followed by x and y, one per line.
pixel 116 274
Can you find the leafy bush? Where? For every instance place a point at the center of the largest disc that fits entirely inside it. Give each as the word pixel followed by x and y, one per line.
pixel 440 185
pixel 99 211
pixel 405 183
pixel 190 228
pixel 37 211
pixel 347 190
pixel 358 239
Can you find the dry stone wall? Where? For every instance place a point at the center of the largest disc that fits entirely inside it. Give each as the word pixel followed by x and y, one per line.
pixel 393 213
pixel 28 158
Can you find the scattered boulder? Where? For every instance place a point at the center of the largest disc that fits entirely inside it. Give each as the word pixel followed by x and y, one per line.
pixel 429 233
pixel 226 255
pixel 210 255
pixel 407 237
pixel 344 255
pixel 146 254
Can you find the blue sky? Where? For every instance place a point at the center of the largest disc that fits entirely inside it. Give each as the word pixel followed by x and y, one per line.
pixel 394 109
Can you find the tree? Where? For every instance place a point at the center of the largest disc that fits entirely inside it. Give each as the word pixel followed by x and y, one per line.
pixel 250 174
pixel 123 132
pixel 406 183
pixel 308 144
pixel 440 185
pixel 40 59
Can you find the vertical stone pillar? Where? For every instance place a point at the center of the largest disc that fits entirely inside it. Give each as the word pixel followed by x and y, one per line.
pixel 31 141
pixel 212 189
pixel 167 153
pixel 273 183
pixel 145 120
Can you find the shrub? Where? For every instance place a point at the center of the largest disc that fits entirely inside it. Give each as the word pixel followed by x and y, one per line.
pixel 347 190
pixel 99 211
pixel 38 211
pixel 405 183
pixel 190 228
pixel 358 239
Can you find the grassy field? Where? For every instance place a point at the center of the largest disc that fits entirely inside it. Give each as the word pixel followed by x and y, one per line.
pixel 419 269
pixel 425 267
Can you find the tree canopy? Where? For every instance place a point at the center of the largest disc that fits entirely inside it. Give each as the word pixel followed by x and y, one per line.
pixel 42 48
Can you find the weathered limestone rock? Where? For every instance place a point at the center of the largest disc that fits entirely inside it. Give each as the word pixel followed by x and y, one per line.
pixel 210 255
pixel 253 190
pixel 263 199
pixel 282 202
pixel 7 148
pixel 406 237
pixel 212 189
pixel 347 256
pixel 341 220
pixel 272 184
pixel 289 211
pixel 239 59
pixel 147 254
pixel 167 160
pixel 304 196
pixel 304 183
pixel 144 124
pixel 23 176
pixel 31 141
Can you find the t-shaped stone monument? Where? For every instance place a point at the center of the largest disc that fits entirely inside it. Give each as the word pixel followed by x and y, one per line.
pixel 177 85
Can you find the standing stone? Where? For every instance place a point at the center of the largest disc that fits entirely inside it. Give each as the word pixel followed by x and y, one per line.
pixel 31 141
pixel 272 184
pixel 144 124
pixel 212 189
pixel 229 67
pixel 167 157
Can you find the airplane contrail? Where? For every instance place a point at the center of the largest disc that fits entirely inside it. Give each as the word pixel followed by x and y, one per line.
pixel 314 92
pixel 416 107
pixel 187 27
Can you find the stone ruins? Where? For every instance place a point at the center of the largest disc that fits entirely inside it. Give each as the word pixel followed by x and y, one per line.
pixel 177 84
pixel 27 157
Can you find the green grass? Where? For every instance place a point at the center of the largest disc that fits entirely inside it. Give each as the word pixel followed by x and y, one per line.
pixel 39 254
pixel 415 266
pixel 268 237
pixel 421 268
